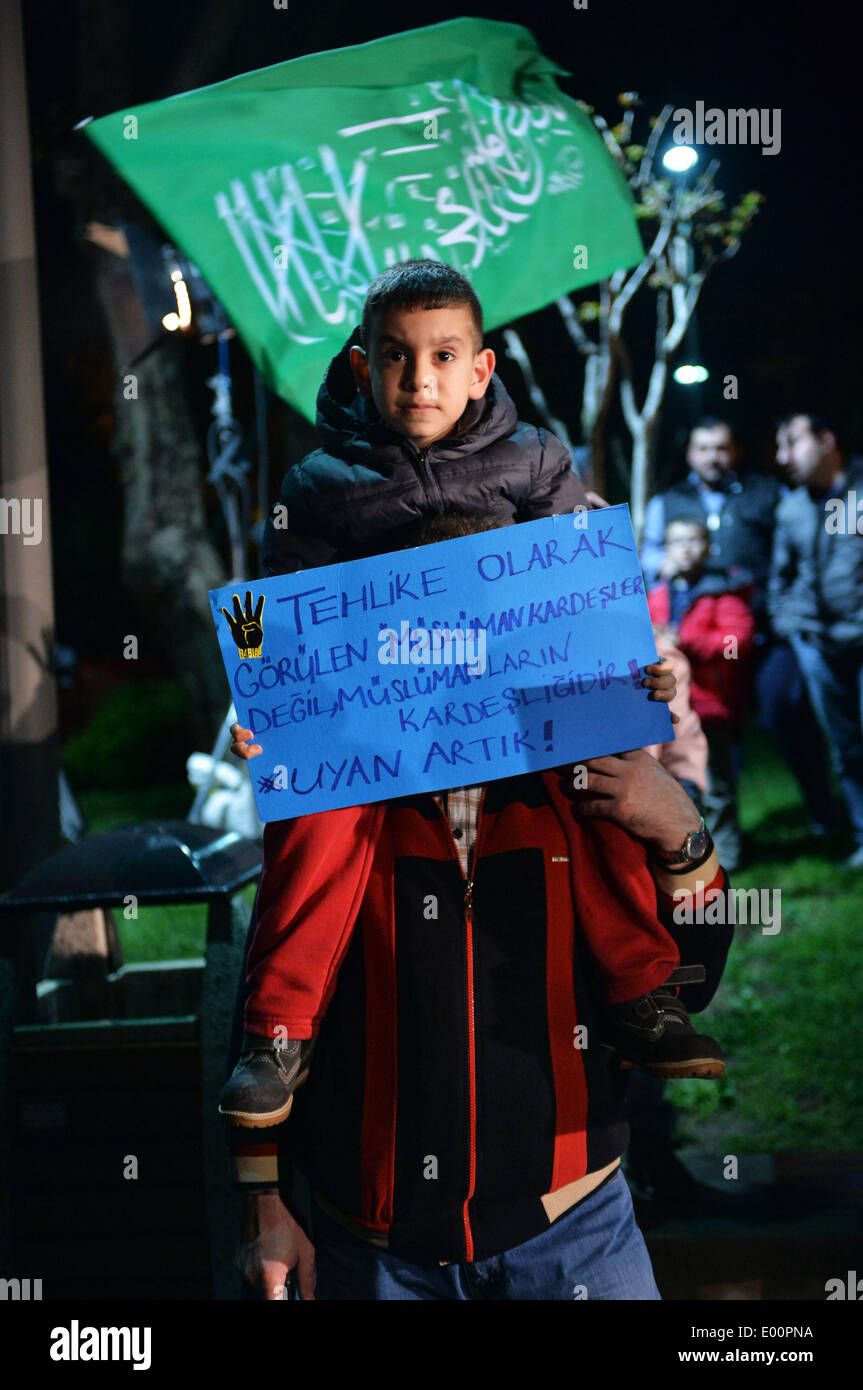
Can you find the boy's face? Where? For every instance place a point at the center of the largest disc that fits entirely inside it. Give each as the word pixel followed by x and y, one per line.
pixel 421 370
pixel 686 547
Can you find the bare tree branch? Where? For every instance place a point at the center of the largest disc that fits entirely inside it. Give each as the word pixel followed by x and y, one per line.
pixel 639 275
pixel 705 179
pixel 645 169
pixel 610 141
pixel 569 314
pixel 660 349
pixel 606 298
pixel 515 349
pixel 675 265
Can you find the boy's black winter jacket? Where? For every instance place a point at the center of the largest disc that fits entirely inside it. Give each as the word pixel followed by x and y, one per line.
pixel 368 488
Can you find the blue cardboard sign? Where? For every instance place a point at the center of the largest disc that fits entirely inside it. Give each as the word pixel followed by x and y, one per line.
pixel 463 661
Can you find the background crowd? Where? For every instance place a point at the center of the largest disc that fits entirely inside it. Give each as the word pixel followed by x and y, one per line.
pixel 756 581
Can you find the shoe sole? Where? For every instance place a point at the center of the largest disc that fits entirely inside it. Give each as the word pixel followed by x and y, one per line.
pixel 706 1068
pixel 248 1120
pixel 251 1120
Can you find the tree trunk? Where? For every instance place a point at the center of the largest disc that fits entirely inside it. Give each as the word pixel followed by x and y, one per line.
pixel 168 562
pixel 643 447
pixel 605 378
pixel 640 469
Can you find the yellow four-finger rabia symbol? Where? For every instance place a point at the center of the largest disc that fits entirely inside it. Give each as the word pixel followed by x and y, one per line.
pixel 245 624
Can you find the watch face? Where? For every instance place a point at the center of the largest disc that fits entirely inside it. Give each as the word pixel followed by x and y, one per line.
pixel 696 843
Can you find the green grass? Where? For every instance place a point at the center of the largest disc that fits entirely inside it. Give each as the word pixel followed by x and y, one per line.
pixel 158 933
pixel 139 737
pixel 103 808
pixel 787 1012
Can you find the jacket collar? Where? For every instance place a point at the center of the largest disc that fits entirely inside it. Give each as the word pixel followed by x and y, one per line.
pixel 351 428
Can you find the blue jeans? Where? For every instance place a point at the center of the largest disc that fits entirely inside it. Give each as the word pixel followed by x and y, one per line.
pixel 724 754
pixel 784 709
pixel 595 1251
pixel 835 683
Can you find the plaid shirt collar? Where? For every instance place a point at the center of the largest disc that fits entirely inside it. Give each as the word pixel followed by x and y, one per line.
pixel 460 805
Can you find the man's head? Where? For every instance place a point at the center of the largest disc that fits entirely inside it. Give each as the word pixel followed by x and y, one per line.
pixel 808 451
pixel 687 543
pixel 422 357
pixel 713 450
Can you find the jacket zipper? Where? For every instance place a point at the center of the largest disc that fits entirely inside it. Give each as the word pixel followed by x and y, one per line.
pixel 430 483
pixel 471 1022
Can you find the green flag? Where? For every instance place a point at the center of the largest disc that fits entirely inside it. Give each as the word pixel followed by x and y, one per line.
pixel 291 187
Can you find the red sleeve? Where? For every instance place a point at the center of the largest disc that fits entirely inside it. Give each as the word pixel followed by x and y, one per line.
pixel 315 873
pixel 314 876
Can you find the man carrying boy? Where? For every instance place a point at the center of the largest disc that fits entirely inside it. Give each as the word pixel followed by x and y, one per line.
pixel 423 426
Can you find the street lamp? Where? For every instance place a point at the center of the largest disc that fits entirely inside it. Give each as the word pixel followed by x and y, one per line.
pixel 679 158
pixel 688 374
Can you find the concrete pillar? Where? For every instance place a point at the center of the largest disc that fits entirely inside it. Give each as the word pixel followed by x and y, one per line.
pixel 29 754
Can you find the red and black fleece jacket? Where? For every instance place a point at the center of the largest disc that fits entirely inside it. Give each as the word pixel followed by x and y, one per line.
pixel 458 1075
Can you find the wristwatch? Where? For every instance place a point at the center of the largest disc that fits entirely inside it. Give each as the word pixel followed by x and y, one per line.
pixel 694 850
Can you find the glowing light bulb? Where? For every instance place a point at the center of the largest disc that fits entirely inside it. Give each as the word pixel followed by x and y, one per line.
pixel 688 374
pixel 679 158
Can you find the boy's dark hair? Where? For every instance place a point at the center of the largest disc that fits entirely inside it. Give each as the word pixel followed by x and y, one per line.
pixel 418 284
pixel 686 521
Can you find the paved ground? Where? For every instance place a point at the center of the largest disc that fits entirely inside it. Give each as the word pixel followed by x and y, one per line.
pixel 781 1230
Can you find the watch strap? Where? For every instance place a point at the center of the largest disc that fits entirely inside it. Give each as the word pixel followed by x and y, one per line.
pixel 676 860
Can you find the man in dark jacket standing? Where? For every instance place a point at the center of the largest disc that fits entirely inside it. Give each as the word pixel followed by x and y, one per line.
pixel 736 507
pixel 816 591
